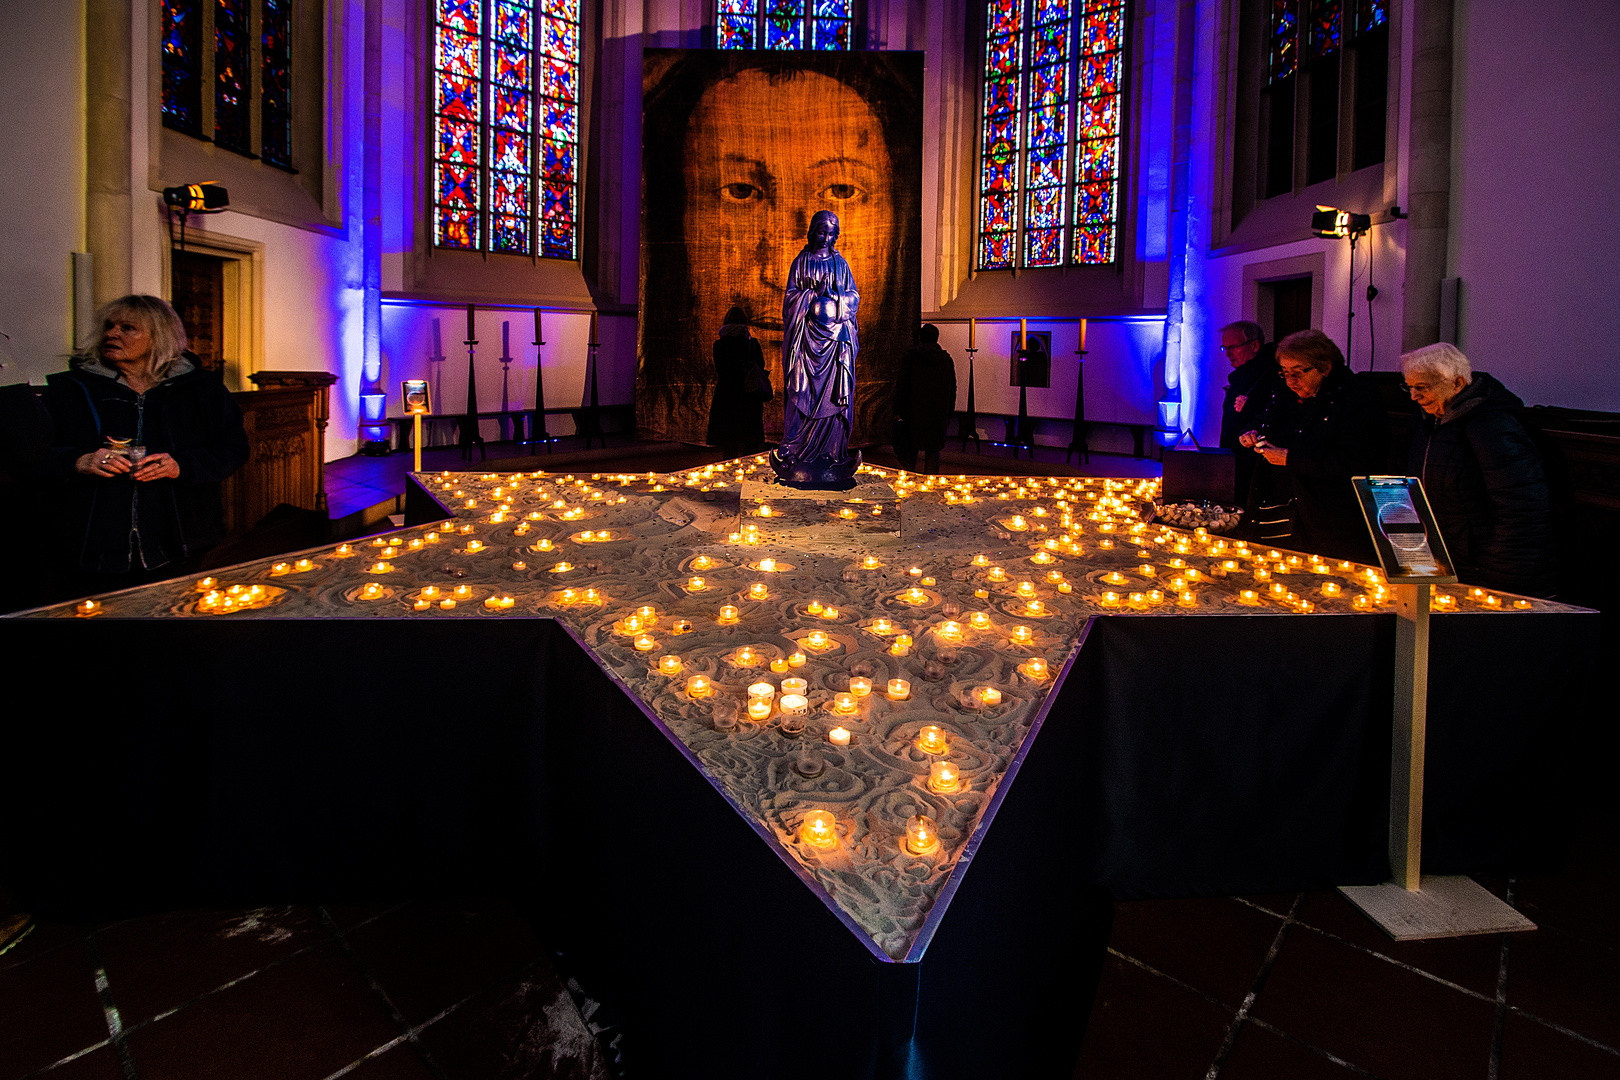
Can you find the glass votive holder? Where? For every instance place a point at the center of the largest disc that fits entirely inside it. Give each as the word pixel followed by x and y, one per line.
pixel 944 776
pixel 1022 635
pixel 669 664
pixel 795 685
pixel 986 696
pixel 698 686
pixel 645 643
pixel 922 835
pixel 759 708
pixel 793 722
pixel 1035 668
pixel 729 614
pixel 819 829
pixel 860 686
pixel 843 704
pixel 931 739
pixel 796 659
pixel 899 689
pixel 762 689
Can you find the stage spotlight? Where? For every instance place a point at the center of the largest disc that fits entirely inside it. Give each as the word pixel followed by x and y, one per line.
pixel 1331 223
pixel 204 198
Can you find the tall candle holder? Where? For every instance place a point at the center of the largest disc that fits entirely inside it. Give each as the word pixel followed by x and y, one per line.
pixel 1078 444
pixel 537 427
pixel 970 426
pixel 593 413
pixel 470 434
pixel 506 380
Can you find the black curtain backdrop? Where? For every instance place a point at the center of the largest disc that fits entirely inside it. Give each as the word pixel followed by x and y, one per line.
pixel 739 150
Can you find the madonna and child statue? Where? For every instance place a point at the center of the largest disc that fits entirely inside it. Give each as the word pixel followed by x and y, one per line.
pixel 820 339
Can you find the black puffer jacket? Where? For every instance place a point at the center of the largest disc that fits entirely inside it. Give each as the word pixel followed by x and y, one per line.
pixel 1341 432
pixel 925 394
pixel 1488 490
pixel 111 525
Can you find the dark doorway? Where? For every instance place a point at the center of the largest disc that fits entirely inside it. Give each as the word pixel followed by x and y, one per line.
pixel 198 289
pixel 1290 306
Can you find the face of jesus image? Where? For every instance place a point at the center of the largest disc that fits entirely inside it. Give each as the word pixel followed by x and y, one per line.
pixel 762 156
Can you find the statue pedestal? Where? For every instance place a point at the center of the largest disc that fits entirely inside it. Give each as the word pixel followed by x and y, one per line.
pixel 864 514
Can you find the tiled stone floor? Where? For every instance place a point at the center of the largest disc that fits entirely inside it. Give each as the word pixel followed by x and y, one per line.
pixel 1278 987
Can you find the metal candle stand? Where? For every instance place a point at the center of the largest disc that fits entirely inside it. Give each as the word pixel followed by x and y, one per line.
pixel 1078 442
pixel 469 424
pixel 593 416
pixel 970 426
pixel 539 421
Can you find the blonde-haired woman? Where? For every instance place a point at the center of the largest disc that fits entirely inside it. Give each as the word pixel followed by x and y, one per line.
pixel 144 436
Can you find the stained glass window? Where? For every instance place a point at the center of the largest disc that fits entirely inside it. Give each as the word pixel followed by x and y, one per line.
pixel 1047 198
pixel 506 126
pixel 228 74
pixel 1324 28
pixel 182 66
pixel 275 101
pixel 1284 39
pixel 784 24
pixel 1371 14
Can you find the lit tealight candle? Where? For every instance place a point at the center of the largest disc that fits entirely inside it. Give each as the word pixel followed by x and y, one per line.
pixel 1034 667
pixel 1022 635
pixel 944 776
pixel 814 607
pixel 996 573
pixel 1025 589
pixel 817 640
pixel 280 568
pixel 694 584
pixel 949 631
pixel 562 568
pixel 979 620
pixel 372 591
pixel 843 704
pixel 870 563
pixel 1035 607
pixel 669 664
pixel 729 614
pixel 860 686
pixel 757 591
pixel 901 646
pixel 698 686
pixel 987 695
pixel 89 607
pixel 838 736
pixel 303 565
pixel 795 685
pixel 645 643
pixel 922 836
pixel 932 740
pixel 1331 588
pixel 796 659
pixel 446 604
pixel 793 705
pixel 819 830
pixel 779 665
pixel 1249 597
pixel 759 708
pixel 899 689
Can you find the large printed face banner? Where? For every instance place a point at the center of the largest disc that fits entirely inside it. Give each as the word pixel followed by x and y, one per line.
pixel 739 151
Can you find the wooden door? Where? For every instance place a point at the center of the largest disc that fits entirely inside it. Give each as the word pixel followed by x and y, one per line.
pixel 198 291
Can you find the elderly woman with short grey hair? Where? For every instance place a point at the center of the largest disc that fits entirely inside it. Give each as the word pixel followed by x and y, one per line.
pixel 1482 473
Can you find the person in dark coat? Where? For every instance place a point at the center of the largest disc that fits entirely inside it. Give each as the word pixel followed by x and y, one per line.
pixel 1250 388
pixel 736 416
pixel 924 401
pixel 1330 427
pixel 142 438
pixel 1482 474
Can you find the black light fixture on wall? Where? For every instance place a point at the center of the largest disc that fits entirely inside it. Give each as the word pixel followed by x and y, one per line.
pixel 1330 223
pixel 204 198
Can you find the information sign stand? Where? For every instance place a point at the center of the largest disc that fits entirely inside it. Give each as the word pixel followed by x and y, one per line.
pixel 1413 907
pixel 418 402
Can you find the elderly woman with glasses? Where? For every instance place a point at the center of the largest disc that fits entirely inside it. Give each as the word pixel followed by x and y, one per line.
pixel 1329 427
pixel 1482 473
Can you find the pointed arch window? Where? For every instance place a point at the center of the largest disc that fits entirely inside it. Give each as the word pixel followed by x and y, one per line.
pixel 227 75
pixel 506 126
pixel 784 24
pixel 1050 133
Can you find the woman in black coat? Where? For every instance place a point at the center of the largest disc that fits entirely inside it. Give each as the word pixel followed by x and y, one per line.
pixel 1481 472
pixel 736 416
pixel 1330 427
pixel 924 401
pixel 142 438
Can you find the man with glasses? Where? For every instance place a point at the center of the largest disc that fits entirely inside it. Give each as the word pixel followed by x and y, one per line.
pixel 1482 473
pixel 1249 389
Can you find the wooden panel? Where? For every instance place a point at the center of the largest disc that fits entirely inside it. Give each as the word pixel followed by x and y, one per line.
pixel 284 463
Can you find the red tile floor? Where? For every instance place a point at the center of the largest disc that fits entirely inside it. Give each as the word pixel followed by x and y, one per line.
pixel 1280 987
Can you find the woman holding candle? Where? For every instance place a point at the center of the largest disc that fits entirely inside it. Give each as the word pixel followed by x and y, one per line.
pixel 1329 427
pixel 144 436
